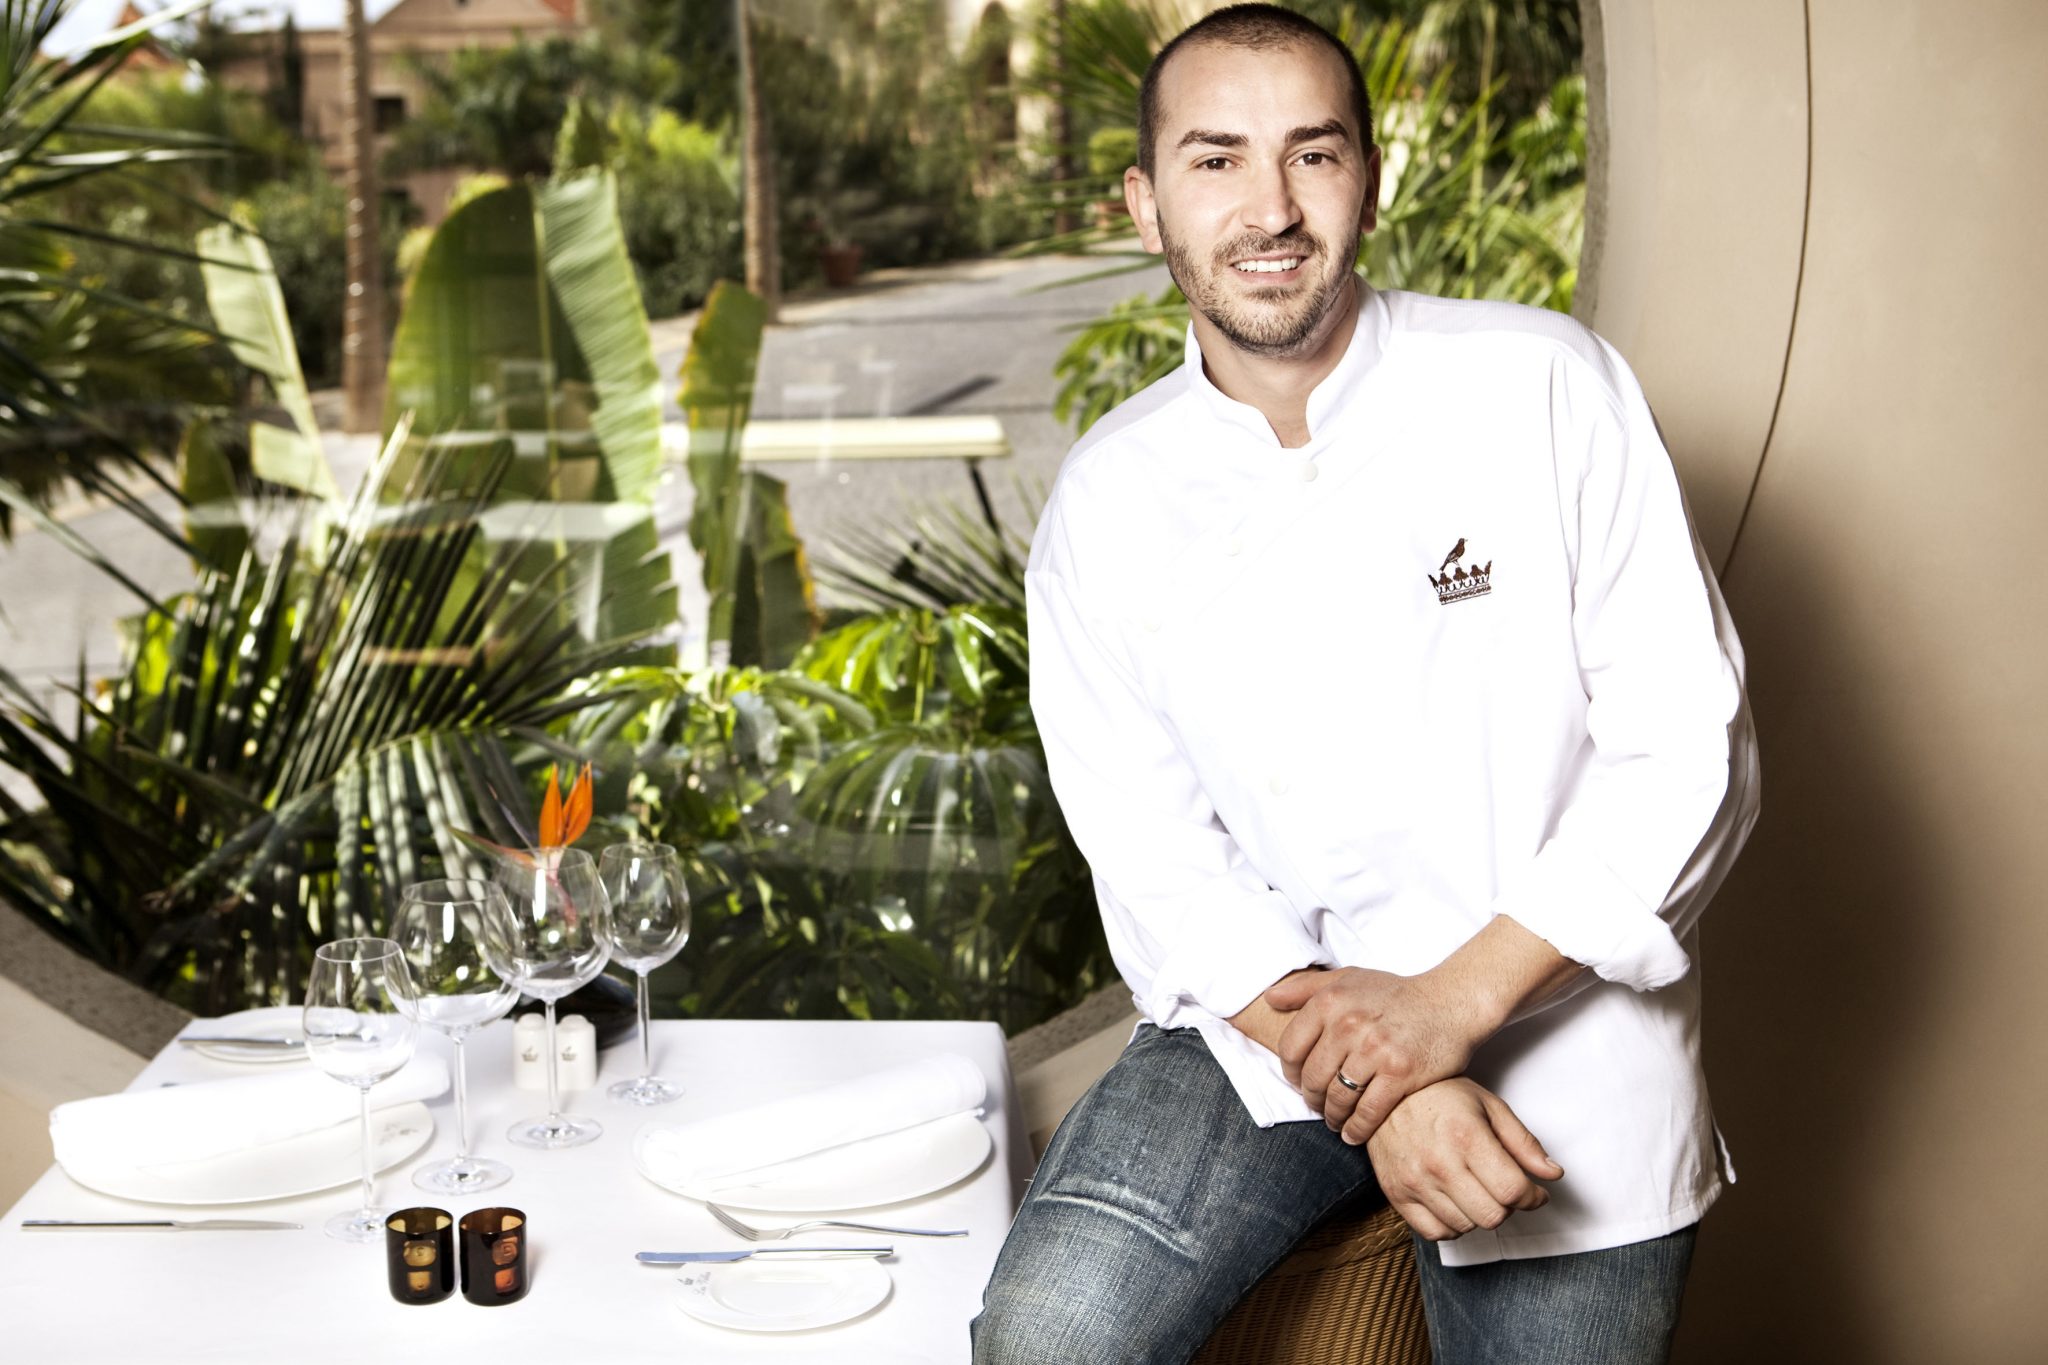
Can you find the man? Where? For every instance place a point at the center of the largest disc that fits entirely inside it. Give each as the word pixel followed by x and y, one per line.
pixel 1408 841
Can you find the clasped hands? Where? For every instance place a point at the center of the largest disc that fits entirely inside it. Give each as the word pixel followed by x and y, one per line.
pixel 1449 1154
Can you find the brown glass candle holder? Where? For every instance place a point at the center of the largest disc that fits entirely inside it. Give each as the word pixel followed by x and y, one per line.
pixel 419 1255
pixel 494 1268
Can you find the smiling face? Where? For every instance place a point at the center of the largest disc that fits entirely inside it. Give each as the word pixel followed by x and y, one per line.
pixel 1260 187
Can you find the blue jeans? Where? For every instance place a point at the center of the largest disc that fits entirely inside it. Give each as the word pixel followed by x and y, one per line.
pixel 1160 1203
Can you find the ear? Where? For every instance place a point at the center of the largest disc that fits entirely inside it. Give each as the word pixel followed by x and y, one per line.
pixel 1369 211
pixel 1144 209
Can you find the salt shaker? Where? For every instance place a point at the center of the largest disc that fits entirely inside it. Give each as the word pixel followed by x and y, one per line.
pixel 529 1052
pixel 576 1041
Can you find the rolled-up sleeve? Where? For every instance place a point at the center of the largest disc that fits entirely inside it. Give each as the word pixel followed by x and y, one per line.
pixel 1189 920
pixel 1664 791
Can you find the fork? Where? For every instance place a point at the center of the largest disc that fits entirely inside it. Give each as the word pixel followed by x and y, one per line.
pixel 754 1234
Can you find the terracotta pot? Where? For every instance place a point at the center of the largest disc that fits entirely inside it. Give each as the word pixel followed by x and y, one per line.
pixel 841 264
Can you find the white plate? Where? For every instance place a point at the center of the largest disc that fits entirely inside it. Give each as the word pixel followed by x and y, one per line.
pixel 781 1296
pixel 859 1175
pixel 272 1021
pixel 313 1161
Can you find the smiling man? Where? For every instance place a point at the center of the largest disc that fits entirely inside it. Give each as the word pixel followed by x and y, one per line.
pixel 1383 684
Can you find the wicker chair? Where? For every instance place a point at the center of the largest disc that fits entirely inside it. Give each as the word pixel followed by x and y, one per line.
pixel 1348 1295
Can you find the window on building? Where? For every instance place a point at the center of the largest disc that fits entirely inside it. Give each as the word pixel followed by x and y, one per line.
pixel 390 112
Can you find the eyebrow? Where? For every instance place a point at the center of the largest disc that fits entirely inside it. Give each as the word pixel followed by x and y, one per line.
pixel 1208 137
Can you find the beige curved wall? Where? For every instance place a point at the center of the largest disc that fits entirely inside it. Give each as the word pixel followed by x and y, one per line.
pixel 1876 1038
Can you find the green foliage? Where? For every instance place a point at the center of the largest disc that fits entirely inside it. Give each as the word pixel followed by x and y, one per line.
pixel 947 556
pixel 246 301
pixel 678 206
pixel 869 833
pixel 883 136
pixel 523 329
pixel 291 742
pixel 501 108
pixel 755 571
pixel 1111 151
pixel 95 376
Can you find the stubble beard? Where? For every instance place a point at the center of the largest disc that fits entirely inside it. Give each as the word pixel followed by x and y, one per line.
pixel 1274 331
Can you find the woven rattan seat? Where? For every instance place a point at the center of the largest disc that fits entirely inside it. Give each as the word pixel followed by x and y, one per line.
pixel 1348 1295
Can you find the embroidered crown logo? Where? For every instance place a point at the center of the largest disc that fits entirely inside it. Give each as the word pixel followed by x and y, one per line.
pixel 1461 583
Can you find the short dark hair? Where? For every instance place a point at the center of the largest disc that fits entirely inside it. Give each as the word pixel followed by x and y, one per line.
pixel 1253 26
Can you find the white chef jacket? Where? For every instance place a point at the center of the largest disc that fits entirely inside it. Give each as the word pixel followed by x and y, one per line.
pixel 1459 656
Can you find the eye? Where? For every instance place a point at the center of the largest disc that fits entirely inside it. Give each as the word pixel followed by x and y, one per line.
pixel 1213 163
pixel 1316 158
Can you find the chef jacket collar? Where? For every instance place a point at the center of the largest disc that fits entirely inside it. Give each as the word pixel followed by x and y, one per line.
pixel 1326 401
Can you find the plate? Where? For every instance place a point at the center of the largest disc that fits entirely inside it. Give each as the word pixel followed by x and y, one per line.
pixel 319 1160
pixel 272 1021
pixel 783 1296
pixel 886 1169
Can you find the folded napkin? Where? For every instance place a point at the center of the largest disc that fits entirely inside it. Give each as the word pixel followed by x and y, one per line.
pixel 693 1154
pixel 177 1123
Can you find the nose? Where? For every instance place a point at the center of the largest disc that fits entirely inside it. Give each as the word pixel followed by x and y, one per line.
pixel 1270 205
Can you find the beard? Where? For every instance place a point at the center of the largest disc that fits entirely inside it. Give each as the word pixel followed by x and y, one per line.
pixel 1277 322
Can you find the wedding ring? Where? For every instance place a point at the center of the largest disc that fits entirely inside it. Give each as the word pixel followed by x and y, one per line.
pixel 1348 1083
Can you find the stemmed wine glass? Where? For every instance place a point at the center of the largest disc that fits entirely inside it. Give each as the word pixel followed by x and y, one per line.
pixel 441 928
pixel 647 923
pixel 359 1028
pixel 549 945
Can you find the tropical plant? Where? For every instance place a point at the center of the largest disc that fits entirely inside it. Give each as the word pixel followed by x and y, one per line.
pixel 93 380
pixel 523 328
pixel 294 740
pixel 302 733
pixel 756 574
pixel 946 555
pixel 501 108
pixel 678 206
pixel 869 833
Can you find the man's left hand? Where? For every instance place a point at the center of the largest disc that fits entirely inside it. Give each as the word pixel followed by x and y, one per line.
pixel 1391 1035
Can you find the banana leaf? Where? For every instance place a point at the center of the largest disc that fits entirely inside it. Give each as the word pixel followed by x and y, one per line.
pixel 293 741
pixel 756 574
pixel 248 303
pixel 523 330
pixel 213 520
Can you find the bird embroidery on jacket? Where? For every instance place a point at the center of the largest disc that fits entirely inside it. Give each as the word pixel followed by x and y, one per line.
pixel 1452 558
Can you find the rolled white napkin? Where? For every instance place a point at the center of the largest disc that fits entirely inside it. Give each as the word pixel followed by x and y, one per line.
pixel 707 1150
pixel 217 1118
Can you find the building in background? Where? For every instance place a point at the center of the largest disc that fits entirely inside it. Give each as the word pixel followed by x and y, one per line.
pixel 429 28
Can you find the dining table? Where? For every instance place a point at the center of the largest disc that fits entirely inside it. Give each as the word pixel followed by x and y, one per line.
pixel 297 1296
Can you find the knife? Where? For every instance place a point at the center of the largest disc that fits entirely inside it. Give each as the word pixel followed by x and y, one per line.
pixel 194 1039
pixel 159 1224
pixel 784 1253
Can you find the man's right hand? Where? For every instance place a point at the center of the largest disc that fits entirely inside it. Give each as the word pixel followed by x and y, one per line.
pixel 1453 1157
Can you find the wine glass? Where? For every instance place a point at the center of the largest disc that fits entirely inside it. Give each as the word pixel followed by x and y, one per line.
pixel 441 927
pixel 551 944
pixel 359 1029
pixel 646 924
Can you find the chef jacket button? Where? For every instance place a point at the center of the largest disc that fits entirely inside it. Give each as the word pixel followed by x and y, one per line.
pixel 1232 545
pixel 1151 623
pixel 1277 786
pixel 1308 471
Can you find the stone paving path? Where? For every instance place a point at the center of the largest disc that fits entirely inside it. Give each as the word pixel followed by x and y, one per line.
pixel 966 338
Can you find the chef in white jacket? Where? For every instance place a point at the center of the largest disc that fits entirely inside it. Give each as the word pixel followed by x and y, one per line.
pixel 1386 689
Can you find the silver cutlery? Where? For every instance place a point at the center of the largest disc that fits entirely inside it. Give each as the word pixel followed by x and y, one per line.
pixel 776 1253
pixel 159 1224
pixel 194 1040
pixel 754 1234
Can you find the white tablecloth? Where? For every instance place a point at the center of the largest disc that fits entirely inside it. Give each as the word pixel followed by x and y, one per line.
pixel 300 1296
